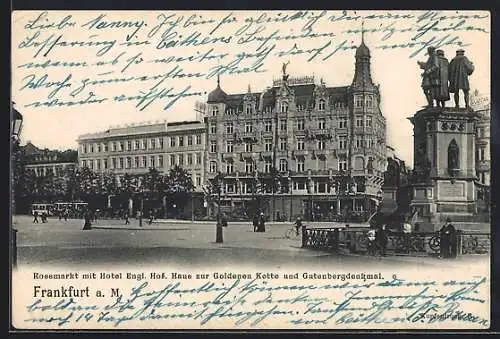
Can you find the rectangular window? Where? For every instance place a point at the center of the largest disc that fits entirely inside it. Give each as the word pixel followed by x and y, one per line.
pixel 113 162
pixel 283 125
pixel 190 140
pixel 91 148
pixel 172 141
pixel 343 123
pixel 229 146
pixel 213 128
pixel 153 144
pixel 283 144
pixel 300 124
pixel 181 160
pixel 122 163
pixel 129 162
pixel 300 165
pixel 343 142
pixel 198 180
pixel 198 158
pixel 342 165
pixel 213 166
pixel 229 167
pixel 268 126
pixel 160 161
pixel 359 121
pixel 91 164
pixel 105 163
pixel 136 162
pixel 268 144
pixel 144 162
pixel 249 167
pixel 98 148
pixel 321 123
pixel 143 143
pixel 321 144
pixel 300 143
pixel 122 146
pixel 198 139
pixel 229 128
pixel 105 147
pixel 84 163
pixel 181 141
pixel 248 147
pixel 152 162
pixel 190 159
pixel 368 121
pixel 267 166
pixel 160 143
pixel 213 146
pixel 136 145
pixel 129 145
pixel 248 127
pixel 359 142
pixel 283 165
pixel 172 160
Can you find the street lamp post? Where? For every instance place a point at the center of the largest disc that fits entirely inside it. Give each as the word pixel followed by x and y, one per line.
pixel 218 231
pixel 16 124
pixel 141 212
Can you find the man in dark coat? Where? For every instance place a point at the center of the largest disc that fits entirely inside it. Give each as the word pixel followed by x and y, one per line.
pixel 88 217
pixel 448 240
pixel 255 222
pixel 381 239
pixel 443 94
pixel 459 70
pixel 262 222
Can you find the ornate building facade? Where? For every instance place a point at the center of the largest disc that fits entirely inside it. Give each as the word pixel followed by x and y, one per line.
pixel 323 148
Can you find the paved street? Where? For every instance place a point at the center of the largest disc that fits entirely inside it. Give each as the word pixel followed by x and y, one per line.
pixel 110 242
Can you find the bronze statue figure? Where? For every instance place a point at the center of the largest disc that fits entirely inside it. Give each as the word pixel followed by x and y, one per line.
pixel 430 76
pixel 459 70
pixel 443 93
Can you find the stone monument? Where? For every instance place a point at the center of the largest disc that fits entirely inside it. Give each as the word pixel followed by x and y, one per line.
pixel 442 181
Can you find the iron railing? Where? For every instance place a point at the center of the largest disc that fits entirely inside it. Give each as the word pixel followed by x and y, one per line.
pixel 398 243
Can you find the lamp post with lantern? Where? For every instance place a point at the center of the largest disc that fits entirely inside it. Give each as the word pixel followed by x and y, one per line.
pixel 15 132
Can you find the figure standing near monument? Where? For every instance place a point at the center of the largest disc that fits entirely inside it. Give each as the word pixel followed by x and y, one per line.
pixel 430 77
pixel 443 94
pixel 459 70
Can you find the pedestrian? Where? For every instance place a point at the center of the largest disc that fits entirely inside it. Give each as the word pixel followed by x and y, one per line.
pixel 44 217
pixel 298 225
pixel 35 217
pixel 255 222
pixel 151 217
pixel 448 240
pixel 372 248
pixel 407 229
pixel 262 223
pixel 87 217
pixel 66 212
pixel 126 216
pixel 59 213
pixel 224 219
pixel 381 239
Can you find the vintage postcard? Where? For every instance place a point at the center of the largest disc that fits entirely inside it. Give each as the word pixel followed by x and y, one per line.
pixel 247 170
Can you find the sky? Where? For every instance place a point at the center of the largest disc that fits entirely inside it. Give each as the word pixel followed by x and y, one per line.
pixel 394 69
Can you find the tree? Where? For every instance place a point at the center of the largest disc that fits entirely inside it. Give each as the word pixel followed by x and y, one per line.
pixel 178 186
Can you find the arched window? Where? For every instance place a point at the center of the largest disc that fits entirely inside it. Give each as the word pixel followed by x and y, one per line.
pixel 284 107
pixel 249 109
pixel 453 160
pixel 215 111
pixel 321 105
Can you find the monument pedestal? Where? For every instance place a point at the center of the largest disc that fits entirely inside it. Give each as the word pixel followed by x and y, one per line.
pixel 444 163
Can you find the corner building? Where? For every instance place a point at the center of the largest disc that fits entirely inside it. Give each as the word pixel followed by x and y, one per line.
pixel 316 137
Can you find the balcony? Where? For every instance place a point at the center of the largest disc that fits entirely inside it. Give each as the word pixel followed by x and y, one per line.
pixel 320 153
pixel 320 132
pixel 227 156
pixel 248 136
pixel 249 155
pixel 300 153
pixel 267 154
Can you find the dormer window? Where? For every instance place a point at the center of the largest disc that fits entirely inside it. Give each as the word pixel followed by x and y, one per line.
pixel 321 105
pixel 284 107
pixel 215 111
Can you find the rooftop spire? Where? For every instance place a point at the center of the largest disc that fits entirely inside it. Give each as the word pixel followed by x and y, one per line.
pixel 218 80
pixel 362 32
